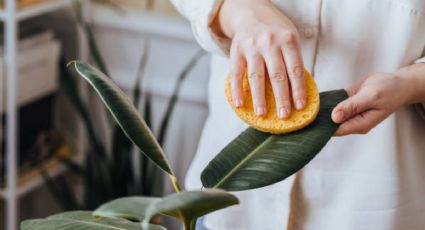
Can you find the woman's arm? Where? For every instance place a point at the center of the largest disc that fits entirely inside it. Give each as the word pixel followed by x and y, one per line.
pixel 201 15
pixel 265 42
pixel 378 95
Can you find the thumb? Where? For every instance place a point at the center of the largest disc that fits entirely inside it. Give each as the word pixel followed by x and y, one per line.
pixel 350 107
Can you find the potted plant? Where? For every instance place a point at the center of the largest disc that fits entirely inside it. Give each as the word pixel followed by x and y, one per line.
pixel 263 160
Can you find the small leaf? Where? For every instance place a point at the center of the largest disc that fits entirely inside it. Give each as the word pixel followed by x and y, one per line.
pixel 125 114
pixel 189 205
pixel 130 208
pixel 256 159
pixel 83 220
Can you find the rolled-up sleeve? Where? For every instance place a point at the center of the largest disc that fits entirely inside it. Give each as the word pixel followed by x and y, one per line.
pixel 201 14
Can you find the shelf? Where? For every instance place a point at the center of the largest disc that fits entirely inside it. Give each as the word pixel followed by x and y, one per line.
pixel 37 9
pixel 32 179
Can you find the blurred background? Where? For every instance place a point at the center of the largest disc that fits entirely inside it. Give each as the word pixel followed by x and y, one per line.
pixel 59 149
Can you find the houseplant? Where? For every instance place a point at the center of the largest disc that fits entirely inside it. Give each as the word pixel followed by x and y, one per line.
pixel 107 171
pixel 254 159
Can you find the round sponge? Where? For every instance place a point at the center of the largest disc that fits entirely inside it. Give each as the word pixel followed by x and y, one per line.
pixel 271 123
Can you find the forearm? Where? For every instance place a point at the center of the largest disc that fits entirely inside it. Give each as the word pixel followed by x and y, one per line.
pixel 414 76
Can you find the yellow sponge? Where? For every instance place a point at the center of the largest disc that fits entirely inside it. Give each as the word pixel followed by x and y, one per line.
pixel 271 123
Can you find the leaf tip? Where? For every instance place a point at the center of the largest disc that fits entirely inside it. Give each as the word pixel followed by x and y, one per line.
pixel 71 62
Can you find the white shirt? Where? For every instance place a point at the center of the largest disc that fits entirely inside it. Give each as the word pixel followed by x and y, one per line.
pixel 374 181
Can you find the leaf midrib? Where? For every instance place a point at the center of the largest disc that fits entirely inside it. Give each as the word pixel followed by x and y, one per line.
pixel 242 162
pixel 91 223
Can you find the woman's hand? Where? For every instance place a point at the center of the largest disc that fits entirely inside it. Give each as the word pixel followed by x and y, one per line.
pixel 376 96
pixel 263 40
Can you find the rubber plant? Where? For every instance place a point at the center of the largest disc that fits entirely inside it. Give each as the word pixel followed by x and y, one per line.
pixel 254 159
pixel 108 172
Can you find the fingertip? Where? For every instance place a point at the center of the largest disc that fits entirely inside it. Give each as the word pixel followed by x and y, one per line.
pixel 260 111
pixel 300 103
pixel 284 113
pixel 238 103
pixel 338 115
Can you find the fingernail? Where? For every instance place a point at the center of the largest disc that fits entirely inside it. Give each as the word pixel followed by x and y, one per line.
pixel 284 113
pixel 299 104
pixel 287 113
pixel 260 110
pixel 238 103
pixel 339 116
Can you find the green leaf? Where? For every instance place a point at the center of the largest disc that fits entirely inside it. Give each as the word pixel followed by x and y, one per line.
pixel 70 87
pixel 189 205
pixel 185 206
pixel 83 220
pixel 125 114
pixel 256 159
pixel 130 208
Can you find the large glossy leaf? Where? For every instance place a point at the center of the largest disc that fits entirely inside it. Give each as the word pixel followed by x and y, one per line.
pixel 69 85
pixel 256 159
pixel 189 205
pixel 130 208
pixel 83 220
pixel 125 114
pixel 185 206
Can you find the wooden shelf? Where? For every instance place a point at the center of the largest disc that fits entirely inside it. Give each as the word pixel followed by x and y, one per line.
pixel 32 179
pixel 37 9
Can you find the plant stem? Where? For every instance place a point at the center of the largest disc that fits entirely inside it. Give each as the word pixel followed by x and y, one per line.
pixel 189 224
pixel 192 225
pixel 186 226
pixel 175 183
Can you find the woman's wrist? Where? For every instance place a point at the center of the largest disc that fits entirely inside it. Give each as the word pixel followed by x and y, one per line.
pixel 413 79
pixel 238 13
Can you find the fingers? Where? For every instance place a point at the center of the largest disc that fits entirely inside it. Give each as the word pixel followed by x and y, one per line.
pixel 237 71
pixel 351 107
pixel 361 123
pixel 279 81
pixel 295 68
pixel 256 75
pixel 284 66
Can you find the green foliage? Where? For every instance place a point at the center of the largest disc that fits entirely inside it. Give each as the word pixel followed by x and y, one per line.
pixel 109 175
pixel 188 205
pixel 256 159
pixel 185 206
pixel 131 208
pixel 125 114
pixel 83 220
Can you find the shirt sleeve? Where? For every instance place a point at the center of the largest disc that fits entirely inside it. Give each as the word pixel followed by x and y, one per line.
pixel 201 14
pixel 421 106
pixel 420 60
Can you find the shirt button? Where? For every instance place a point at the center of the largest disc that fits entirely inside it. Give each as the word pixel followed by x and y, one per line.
pixel 308 32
